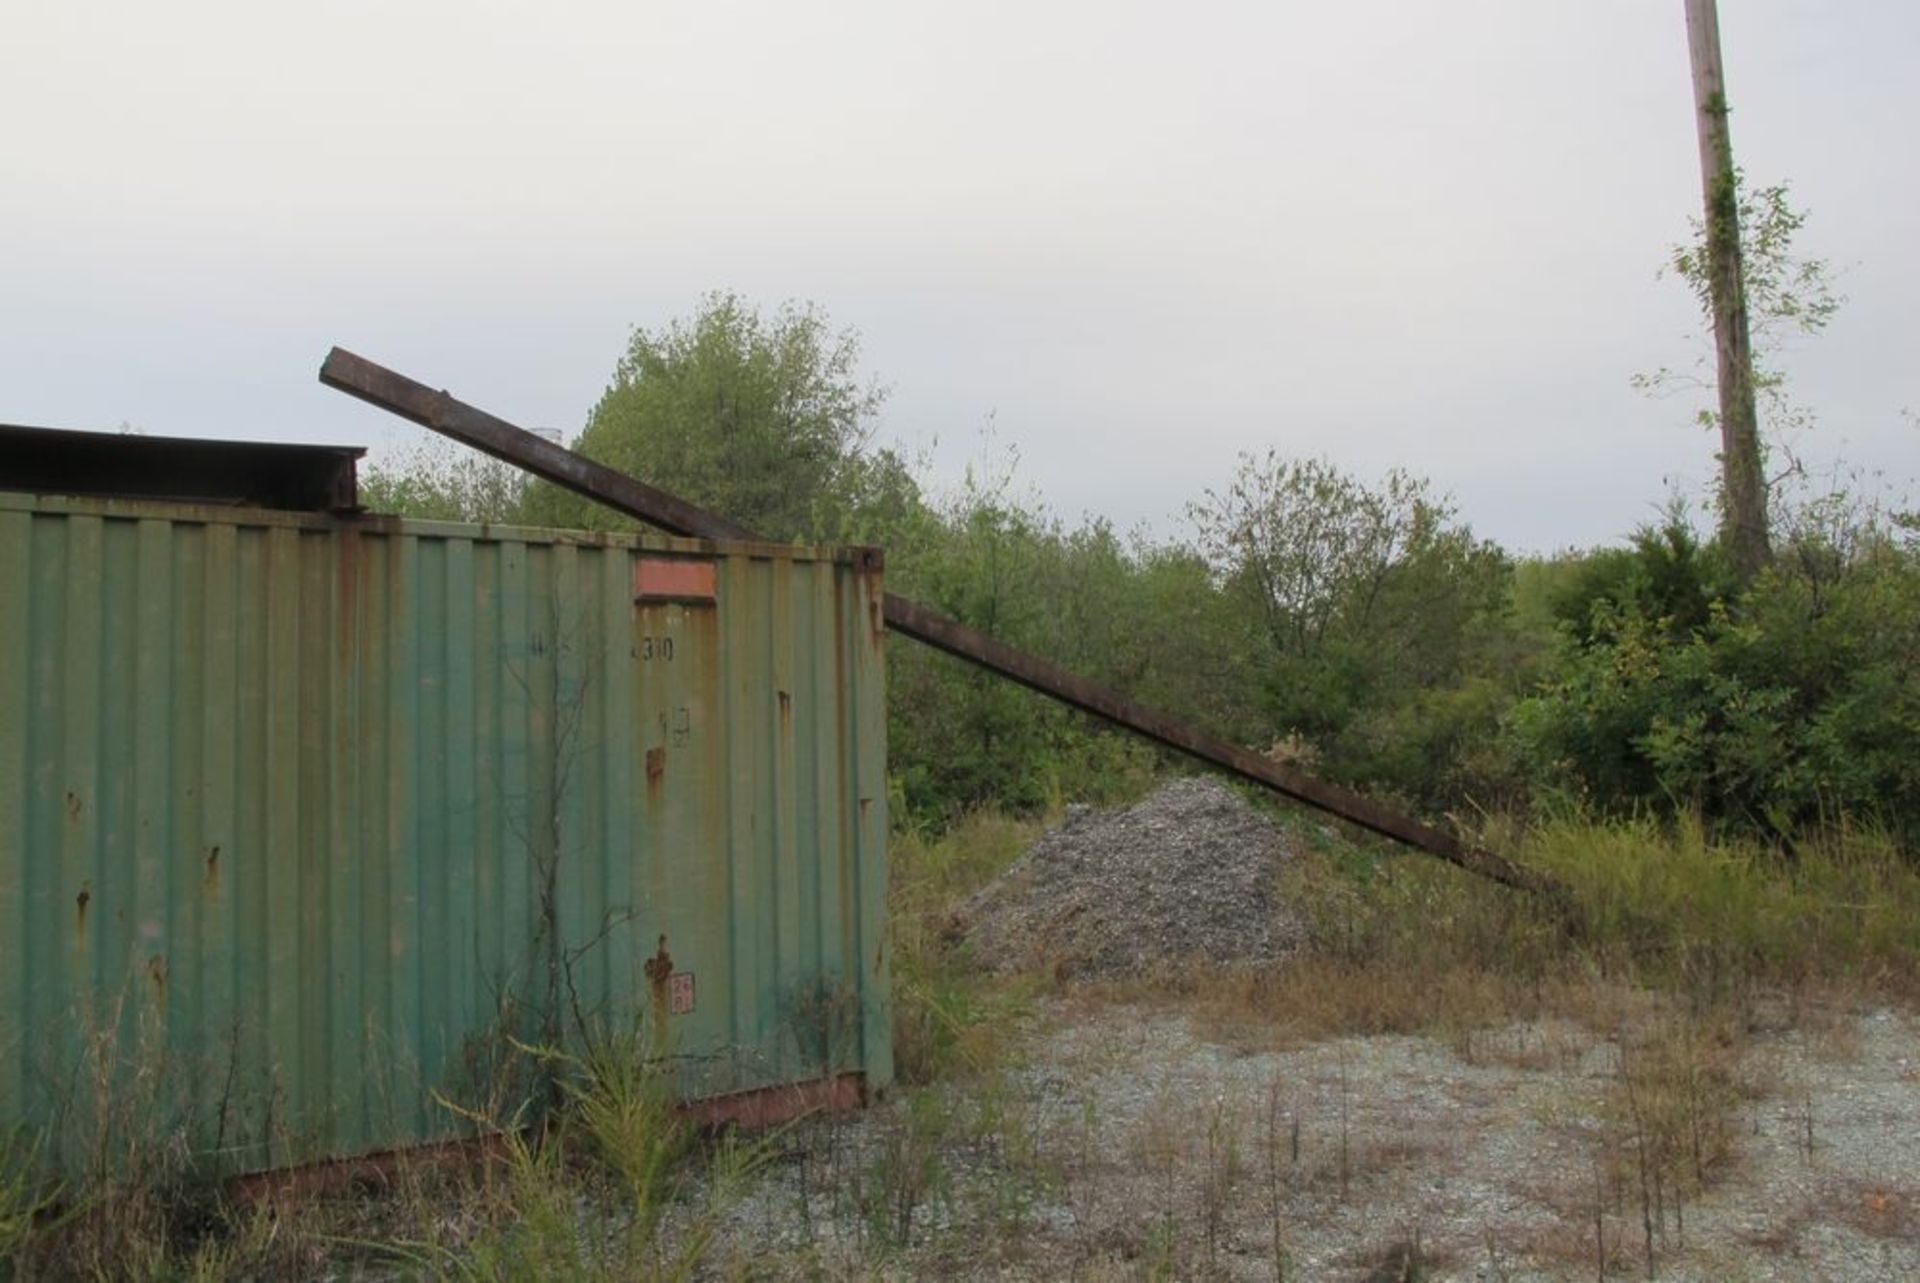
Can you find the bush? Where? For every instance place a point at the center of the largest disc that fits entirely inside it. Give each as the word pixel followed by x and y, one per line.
pixel 1787 706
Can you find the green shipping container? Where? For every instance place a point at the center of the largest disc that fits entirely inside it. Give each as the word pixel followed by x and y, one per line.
pixel 305 818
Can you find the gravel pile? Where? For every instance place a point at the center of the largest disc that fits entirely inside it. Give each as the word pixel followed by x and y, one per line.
pixel 1189 874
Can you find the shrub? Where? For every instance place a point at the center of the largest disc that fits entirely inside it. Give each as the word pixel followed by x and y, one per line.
pixel 1792 704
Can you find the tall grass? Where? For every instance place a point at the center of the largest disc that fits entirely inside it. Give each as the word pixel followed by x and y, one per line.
pixel 1400 943
pixel 615 1184
pixel 24 1199
pixel 112 1183
pixel 1677 906
pixel 949 1015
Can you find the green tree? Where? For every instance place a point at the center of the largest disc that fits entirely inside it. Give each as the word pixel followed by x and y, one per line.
pixel 961 736
pixel 441 480
pixel 1371 603
pixel 762 418
pixel 991 555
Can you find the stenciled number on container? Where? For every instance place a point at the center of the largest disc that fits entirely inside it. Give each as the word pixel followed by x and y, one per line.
pixel 678 731
pixel 652 648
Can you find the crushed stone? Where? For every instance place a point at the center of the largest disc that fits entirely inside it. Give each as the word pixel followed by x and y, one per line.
pixel 1189 874
pixel 1150 1149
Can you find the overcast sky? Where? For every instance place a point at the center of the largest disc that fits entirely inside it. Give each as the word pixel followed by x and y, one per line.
pixel 1141 237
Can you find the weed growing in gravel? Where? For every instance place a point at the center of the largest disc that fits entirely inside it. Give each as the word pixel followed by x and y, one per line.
pixel 910 1168
pixel 1280 1152
pixel 1007 1134
pixel 1668 1119
pixel 1220 1174
pixel 1161 1138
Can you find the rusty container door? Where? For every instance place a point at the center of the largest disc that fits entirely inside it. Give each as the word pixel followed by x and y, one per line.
pixel 303 822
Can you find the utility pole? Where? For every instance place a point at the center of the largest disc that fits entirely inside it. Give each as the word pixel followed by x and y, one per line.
pixel 1743 488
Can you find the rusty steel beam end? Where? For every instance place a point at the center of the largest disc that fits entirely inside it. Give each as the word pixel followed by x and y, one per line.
pixel 438 410
pixel 431 408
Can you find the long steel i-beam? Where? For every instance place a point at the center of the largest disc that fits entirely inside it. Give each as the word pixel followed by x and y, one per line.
pixel 444 414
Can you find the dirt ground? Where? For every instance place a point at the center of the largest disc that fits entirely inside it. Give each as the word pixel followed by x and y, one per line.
pixel 1127 1142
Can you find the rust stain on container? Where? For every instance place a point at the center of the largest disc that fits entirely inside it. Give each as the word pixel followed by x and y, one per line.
pixel 361 1173
pixel 869 564
pixel 755 1108
pixel 73 807
pixel 212 879
pixel 656 768
pixel 80 903
pixel 786 714
pixel 840 616
pixel 659 969
pixel 771 1106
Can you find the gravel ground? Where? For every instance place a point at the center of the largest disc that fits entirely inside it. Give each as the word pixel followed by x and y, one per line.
pixel 1129 1144
pixel 1123 1141
pixel 1187 874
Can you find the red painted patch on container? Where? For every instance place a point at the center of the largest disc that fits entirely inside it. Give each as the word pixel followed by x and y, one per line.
pixel 674 579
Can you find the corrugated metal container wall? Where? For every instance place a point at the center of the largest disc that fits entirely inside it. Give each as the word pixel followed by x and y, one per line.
pixel 300 816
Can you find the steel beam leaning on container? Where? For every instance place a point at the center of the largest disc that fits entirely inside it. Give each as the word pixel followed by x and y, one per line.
pixel 443 413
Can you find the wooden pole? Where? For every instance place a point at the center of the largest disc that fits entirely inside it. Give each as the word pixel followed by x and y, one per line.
pixel 1743 489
